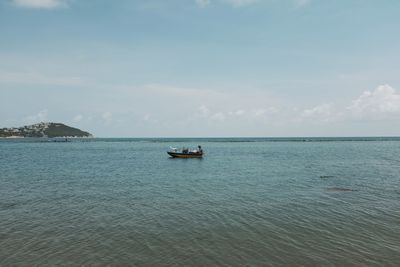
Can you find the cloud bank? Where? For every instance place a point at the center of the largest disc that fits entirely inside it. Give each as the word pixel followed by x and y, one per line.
pixel 203 3
pixel 210 112
pixel 40 4
pixel 381 103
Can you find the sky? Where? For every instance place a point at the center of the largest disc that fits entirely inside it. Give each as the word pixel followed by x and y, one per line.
pixel 202 68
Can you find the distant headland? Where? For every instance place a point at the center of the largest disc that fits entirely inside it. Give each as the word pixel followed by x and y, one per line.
pixel 43 129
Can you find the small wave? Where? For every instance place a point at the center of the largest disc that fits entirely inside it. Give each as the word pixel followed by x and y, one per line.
pixel 6 206
pixel 341 189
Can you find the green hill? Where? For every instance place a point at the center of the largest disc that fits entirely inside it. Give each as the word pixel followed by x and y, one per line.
pixel 44 129
pixel 59 129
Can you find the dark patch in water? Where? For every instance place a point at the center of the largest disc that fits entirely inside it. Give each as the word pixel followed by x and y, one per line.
pixel 6 206
pixel 326 176
pixel 341 189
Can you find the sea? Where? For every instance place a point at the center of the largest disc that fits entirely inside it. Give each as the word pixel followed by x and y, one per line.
pixel 248 202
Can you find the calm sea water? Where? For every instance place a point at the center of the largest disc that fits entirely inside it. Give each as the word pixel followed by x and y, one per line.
pixel 257 202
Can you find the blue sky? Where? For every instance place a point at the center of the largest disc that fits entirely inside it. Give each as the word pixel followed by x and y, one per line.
pixel 202 67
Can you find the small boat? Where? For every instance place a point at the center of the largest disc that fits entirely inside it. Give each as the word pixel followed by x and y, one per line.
pixel 186 153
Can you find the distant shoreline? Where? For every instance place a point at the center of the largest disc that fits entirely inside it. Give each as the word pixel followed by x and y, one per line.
pixel 217 139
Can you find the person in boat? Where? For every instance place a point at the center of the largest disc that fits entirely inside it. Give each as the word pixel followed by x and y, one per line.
pixel 200 150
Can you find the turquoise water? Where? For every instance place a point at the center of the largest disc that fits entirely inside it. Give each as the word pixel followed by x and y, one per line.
pixel 260 202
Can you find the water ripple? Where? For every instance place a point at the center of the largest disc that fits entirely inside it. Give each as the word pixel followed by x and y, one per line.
pixel 119 202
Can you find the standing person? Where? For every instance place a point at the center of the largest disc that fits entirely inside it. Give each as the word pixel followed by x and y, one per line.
pixel 200 149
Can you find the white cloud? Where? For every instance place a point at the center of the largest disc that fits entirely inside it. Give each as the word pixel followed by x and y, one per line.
pixel 238 112
pixel 264 111
pixel 77 118
pixel 39 117
pixel 43 4
pixel 240 3
pixel 107 117
pixel 381 103
pixel 146 117
pixel 317 111
pixel 301 3
pixel 259 112
pixel 203 3
pixel 204 111
pixel 234 3
pixel 321 113
pixel 219 116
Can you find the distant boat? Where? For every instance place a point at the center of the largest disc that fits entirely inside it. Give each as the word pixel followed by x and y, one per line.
pixel 186 153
